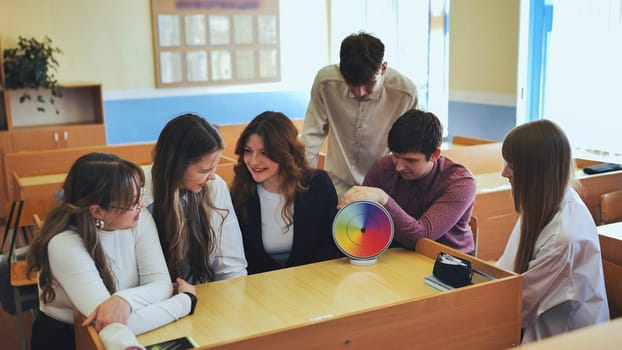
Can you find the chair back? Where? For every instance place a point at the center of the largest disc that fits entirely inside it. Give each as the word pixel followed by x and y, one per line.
pixel 611 207
pixel 38 222
pixel 475 230
pixel 86 337
pixel 12 269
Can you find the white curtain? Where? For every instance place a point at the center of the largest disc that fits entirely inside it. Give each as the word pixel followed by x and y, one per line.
pixel 583 73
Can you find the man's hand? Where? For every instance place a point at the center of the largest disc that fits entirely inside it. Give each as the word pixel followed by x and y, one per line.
pixel 358 193
pixel 113 309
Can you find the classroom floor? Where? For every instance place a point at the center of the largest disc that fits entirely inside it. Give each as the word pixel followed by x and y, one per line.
pixel 8 323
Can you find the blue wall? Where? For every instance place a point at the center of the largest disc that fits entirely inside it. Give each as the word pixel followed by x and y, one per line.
pixel 140 120
pixel 479 120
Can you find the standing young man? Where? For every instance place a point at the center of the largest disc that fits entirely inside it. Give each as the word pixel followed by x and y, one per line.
pixel 352 107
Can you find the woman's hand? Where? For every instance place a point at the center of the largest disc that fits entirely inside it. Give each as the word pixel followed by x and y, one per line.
pixel 183 286
pixel 113 309
pixel 190 290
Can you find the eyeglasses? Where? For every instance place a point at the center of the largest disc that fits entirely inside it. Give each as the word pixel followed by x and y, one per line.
pixel 136 207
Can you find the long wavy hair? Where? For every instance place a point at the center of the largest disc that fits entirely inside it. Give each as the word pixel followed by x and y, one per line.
pixel 183 219
pixel 541 158
pixel 281 145
pixel 94 179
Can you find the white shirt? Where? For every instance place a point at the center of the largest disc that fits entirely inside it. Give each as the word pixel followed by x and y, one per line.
pixel 355 131
pixel 138 265
pixel 276 241
pixel 564 286
pixel 228 260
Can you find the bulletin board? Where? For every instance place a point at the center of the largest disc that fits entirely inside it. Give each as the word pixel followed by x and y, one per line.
pixel 215 42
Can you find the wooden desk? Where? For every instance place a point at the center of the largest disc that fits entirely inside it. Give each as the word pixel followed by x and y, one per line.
pixel 333 304
pixel 494 206
pixel 604 336
pixel 46 185
pixel 610 237
pixel 479 159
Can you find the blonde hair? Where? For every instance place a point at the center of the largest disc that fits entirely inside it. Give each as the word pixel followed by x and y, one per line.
pixel 186 233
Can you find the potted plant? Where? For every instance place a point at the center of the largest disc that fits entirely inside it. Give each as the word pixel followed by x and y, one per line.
pixel 31 65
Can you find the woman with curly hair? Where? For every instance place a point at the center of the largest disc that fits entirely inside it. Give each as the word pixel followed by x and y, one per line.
pixel 285 208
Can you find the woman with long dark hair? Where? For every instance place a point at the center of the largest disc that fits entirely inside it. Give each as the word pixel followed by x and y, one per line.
pixel 554 244
pixel 98 252
pixel 192 209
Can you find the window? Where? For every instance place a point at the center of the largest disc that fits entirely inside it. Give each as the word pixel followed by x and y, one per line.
pixel 415 37
pixel 580 70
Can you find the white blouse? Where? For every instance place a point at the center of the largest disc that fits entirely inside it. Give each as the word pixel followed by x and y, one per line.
pixel 138 265
pixel 564 286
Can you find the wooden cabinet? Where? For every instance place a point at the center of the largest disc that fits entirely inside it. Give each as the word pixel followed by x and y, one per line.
pixel 32 139
pixel 74 120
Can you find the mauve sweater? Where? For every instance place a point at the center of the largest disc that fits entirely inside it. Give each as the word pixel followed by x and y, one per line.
pixel 437 206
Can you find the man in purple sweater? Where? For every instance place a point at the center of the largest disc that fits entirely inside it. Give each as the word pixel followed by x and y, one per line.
pixel 426 194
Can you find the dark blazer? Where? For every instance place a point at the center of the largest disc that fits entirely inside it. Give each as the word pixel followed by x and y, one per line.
pixel 314 211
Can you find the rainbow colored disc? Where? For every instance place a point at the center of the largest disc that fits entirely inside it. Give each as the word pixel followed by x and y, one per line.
pixel 363 229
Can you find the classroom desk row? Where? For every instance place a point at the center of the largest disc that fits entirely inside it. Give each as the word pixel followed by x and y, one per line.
pixel 335 304
pixel 605 336
pixel 494 206
pixel 610 237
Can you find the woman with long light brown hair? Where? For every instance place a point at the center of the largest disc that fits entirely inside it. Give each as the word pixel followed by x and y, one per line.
pixel 554 244
pixel 192 209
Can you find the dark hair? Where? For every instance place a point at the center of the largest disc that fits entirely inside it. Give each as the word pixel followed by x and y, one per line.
pixel 416 131
pixel 281 145
pixel 94 179
pixel 187 240
pixel 541 160
pixel 360 58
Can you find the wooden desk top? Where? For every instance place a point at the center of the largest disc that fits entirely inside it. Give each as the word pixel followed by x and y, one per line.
pixel 297 296
pixel 18 274
pixel 613 230
pixel 490 182
pixel 610 237
pixel 38 180
pixel 493 181
pixel 603 336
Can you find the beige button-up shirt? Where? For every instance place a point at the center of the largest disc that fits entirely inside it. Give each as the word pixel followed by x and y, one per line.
pixel 355 131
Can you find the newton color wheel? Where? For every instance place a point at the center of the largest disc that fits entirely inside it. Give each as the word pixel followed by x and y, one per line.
pixel 363 230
